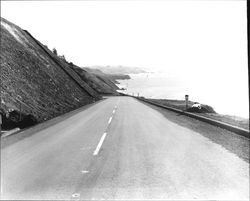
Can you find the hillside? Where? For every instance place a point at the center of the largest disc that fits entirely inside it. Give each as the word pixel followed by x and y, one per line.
pixel 119 70
pixel 109 76
pixel 36 82
pixel 101 82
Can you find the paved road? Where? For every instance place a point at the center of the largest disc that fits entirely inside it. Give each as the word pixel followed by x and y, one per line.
pixel 136 154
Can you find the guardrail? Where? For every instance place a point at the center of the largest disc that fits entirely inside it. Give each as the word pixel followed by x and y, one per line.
pixel 235 129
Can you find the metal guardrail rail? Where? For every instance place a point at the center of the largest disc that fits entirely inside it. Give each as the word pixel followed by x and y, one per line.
pixel 235 129
pixel 229 127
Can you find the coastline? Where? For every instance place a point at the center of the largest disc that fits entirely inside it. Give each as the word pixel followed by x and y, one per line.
pixel 225 101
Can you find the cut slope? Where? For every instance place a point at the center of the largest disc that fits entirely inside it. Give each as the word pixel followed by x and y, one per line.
pixel 32 82
pixel 100 83
pixel 61 63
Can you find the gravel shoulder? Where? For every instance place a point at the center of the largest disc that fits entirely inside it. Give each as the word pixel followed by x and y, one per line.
pixel 232 142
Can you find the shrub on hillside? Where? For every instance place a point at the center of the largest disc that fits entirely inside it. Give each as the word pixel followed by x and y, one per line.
pixel 15 119
pixel 202 109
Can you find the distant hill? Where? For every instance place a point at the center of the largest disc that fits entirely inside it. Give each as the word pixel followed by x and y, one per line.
pixel 112 77
pixel 100 82
pixel 35 81
pixel 119 70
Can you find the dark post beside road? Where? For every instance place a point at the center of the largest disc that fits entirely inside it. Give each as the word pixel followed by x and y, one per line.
pixel 186 98
pixel 0 122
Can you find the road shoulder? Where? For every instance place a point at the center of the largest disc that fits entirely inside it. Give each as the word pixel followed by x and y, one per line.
pixel 9 140
pixel 232 142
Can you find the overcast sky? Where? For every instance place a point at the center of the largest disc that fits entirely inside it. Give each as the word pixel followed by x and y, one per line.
pixel 182 38
pixel 154 34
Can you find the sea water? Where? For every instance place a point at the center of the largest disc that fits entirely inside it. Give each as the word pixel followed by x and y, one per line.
pixel 226 96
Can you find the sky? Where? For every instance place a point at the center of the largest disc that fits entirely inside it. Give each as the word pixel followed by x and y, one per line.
pixel 182 38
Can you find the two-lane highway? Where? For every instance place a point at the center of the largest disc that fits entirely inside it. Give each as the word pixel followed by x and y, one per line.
pixel 120 149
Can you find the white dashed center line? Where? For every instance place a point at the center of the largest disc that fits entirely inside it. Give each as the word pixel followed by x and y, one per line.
pixel 102 138
pixel 99 144
pixel 77 195
pixel 84 171
pixel 110 119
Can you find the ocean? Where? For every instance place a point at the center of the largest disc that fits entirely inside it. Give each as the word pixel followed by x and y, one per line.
pixel 228 97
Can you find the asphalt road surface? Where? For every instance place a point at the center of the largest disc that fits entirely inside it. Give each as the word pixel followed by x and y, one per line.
pixel 120 148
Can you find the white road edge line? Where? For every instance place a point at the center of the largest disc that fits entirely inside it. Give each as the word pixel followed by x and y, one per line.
pixel 99 144
pixel 113 111
pixel 110 119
